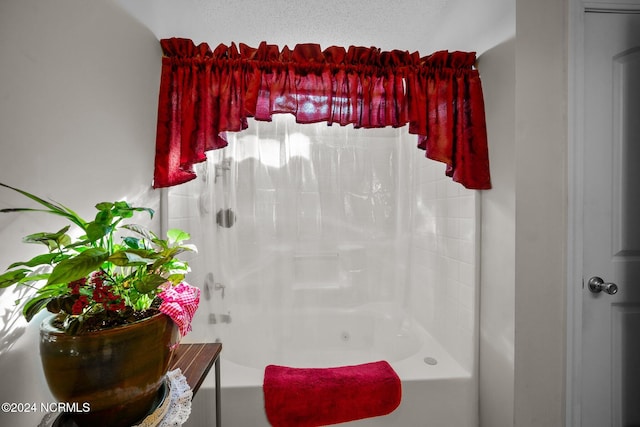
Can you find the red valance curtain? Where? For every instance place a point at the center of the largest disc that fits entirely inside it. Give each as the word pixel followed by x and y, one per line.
pixel 205 93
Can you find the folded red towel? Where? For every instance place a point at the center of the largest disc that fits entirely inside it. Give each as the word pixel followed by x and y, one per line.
pixel 309 397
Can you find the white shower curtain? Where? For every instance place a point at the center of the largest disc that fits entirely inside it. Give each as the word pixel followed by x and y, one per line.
pixel 292 217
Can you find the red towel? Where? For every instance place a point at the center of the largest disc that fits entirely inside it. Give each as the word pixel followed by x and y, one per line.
pixel 308 397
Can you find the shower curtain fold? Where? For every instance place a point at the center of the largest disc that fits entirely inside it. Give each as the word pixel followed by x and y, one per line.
pixel 205 93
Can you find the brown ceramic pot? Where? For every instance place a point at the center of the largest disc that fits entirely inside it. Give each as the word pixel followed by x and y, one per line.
pixel 115 373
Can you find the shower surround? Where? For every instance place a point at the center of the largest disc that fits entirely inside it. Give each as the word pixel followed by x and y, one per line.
pixel 326 246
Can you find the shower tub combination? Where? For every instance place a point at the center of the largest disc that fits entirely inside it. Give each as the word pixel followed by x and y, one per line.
pixel 318 269
pixel 436 390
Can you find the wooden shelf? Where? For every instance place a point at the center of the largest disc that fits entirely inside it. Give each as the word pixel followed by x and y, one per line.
pixel 195 361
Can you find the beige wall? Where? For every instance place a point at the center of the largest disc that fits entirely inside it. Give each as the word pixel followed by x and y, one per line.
pixel 541 211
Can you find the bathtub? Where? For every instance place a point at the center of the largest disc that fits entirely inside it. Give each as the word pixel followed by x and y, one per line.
pixel 436 391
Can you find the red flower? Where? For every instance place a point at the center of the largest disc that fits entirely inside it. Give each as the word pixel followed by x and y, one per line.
pixel 97 278
pixel 75 285
pixel 79 305
pixel 115 306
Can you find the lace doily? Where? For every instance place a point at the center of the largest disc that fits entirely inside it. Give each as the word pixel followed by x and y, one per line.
pixel 172 412
pixel 175 410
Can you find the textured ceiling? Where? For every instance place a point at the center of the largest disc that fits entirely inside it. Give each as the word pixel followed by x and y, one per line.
pixel 413 25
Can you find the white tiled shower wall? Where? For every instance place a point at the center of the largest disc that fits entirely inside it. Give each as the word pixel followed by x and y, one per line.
pixel 443 291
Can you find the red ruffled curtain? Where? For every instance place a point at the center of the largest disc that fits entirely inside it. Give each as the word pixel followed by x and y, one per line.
pixel 205 93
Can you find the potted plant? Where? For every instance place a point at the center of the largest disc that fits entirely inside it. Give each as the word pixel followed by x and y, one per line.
pixel 118 304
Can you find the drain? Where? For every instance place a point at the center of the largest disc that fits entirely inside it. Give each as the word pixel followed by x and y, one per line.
pixel 345 336
pixel 430 361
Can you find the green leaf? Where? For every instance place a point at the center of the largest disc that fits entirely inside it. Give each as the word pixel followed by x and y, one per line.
pixel 12 277
pixel 176 279
pixel 34 278
pixel 104 218
pixel 74 217
pixel 161 243
pixel 177 236
pixel 43 297
pixel 172 252
pixel 142 231
pixel 51 240
pixel 64 241
pixel 96 231
pixel 125 213
pixel 57 234
pixel 130 258
pixel 150 211
pixel 34 305
pixel 80 245
pixel 187 248
pixel 124 210
pixel 127 208
pixel 132 242
pixel 37 260
pixel 119 258
pixel 160 262
pixel 176 265
pixel 139 256
pixel 149 283
pixel 53 208
pixel 79 266
pixel 104 206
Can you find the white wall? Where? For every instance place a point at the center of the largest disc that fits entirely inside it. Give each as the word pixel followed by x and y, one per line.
pixel 78 85
pixel 497 68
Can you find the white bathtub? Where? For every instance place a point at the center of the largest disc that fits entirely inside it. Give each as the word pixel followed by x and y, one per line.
pixel 436 391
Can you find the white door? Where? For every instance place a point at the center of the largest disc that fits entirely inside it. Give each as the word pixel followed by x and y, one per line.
pixel 611 246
